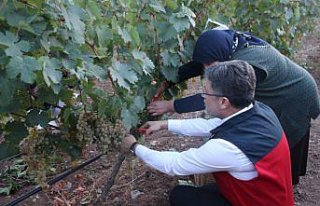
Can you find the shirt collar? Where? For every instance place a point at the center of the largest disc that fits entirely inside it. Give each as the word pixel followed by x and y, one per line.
pixel 237 113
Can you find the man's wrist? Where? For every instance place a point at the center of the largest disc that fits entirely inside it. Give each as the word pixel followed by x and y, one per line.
pixel 133 148
pixel 164 124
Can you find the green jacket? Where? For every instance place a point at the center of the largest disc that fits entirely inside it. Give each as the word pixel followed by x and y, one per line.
pixel 288 89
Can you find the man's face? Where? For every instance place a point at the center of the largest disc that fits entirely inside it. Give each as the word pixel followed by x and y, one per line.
pixel 212 103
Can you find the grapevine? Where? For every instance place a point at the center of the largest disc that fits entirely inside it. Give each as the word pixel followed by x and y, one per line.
pixel 51 50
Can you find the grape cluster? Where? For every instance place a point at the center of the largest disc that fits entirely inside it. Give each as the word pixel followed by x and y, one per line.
pixel 100 130
pixel 34 155
pixel 86 126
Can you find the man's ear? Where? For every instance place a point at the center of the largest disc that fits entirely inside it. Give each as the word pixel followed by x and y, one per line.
pixel 224 103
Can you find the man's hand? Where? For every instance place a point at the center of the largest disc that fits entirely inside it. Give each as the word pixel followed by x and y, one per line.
pixel 160 107
pixel 127 142
pixel 153 126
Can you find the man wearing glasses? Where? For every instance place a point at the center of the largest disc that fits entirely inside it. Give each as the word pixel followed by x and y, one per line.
pixel 247 153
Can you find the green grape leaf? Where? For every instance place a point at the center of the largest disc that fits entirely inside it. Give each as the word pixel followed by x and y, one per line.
pixel 124 34
pixel 166 31
pixel 72 16
pixel 5 190
pixel 15 47
pixel 180 24
pixel 95 9
pixel 169 59
pixel 122 74
pixel 37 117
pixel 172 4
pixel 157 6
pixel 48 41
pixel 169 73
pixel 8 39
pixel 104 34
pixel 138 104
pixel 134 35
pixel 7 89
pixel 67 146
pixel 56 88
pixel 9 106
pixel 129 118
pixel 187 12
pixel 95 70
pixel 144 61
pixel 46 95
pixel 7 150
pixel 14 132
pixel 23 66
pixel 51 73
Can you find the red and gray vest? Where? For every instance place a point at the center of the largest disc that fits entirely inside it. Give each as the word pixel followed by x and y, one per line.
pixel 259 135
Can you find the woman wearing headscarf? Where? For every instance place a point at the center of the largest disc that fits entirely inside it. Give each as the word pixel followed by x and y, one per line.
pixel 281 84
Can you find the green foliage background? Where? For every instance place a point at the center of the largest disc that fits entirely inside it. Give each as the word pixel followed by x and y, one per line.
pixel 53 49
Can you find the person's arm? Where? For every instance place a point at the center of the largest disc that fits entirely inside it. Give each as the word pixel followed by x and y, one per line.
pixel 198 127
pixel 189 104
pixel 186 71
pixel 189 70
pixel 216 155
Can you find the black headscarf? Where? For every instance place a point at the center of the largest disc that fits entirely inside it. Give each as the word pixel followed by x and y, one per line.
pixel 219 45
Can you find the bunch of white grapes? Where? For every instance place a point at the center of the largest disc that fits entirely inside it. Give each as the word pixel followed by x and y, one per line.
pixel 100 130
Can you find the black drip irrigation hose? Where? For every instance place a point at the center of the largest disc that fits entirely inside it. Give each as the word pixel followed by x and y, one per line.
pixel 52 181
pixel 11 157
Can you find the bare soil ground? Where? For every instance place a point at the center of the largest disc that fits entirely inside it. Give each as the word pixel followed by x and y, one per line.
pixel 137 184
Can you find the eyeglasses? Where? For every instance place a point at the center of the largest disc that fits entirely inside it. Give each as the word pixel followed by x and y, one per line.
pixel 213 95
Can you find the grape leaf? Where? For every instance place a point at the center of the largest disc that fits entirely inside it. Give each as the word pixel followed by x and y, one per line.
pixel 95 70
pixel 23 66
pixel 157 6
pixel 50 71
pixel 14 132
pixel 7 89
pixel 129 118
pixel 37 117
pixel 138 104
pixel 72 16
pixel 124 34
pixel 104 34
pixel 180 24
pixel 169 59
pixel 15 47
pixel 144 61
pixel 122 74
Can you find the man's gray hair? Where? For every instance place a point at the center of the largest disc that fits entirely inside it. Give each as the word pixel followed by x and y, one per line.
pixel 235 80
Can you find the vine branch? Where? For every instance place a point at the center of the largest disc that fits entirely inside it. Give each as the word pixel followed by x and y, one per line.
pixel 111 179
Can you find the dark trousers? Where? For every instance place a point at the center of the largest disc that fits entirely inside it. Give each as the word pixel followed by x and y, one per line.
pixel 207 195
pixel 299 158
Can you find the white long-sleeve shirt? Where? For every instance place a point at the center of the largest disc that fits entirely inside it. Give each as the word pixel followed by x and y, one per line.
pixel 216 155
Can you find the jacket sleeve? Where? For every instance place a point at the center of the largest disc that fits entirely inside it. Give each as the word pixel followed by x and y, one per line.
pixel 189 104
pixel 189 70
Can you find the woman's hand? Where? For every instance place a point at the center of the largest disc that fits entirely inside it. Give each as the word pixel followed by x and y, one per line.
pixel 153 126
pixel 160 107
